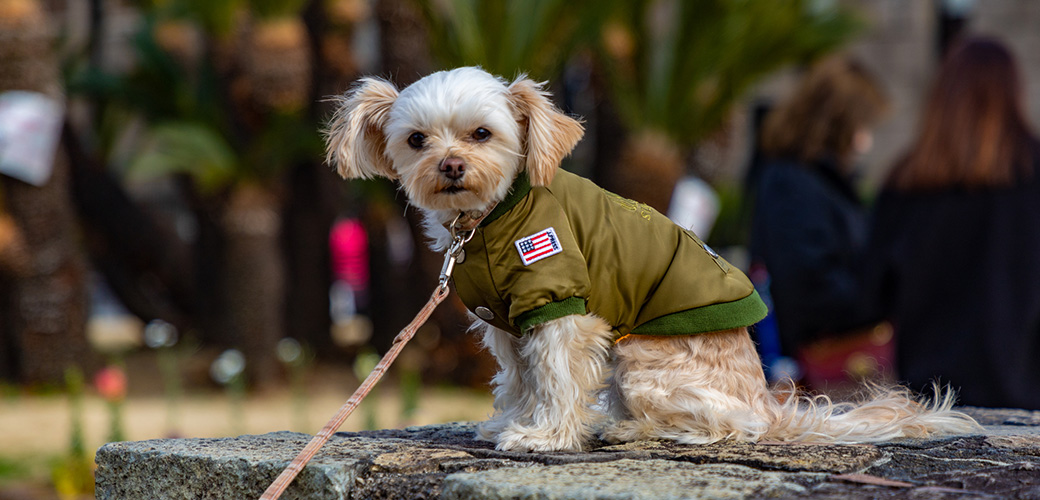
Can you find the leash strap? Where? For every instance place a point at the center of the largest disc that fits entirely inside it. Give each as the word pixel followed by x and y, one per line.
pixel 461 234
pixel 293 469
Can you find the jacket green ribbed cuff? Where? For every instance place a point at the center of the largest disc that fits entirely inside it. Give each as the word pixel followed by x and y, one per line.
pixel 549 312
pixel 712 318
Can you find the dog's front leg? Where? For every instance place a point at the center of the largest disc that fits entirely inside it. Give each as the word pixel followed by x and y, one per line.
pixel 565 368
pixel 514 399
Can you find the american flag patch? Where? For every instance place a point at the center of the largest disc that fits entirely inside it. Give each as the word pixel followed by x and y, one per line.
pixel 538 246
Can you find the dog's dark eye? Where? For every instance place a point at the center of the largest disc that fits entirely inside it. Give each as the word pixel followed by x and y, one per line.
pixel 416 140
pixel 481 134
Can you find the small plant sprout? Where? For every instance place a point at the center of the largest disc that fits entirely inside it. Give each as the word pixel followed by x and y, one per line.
pixel 365 362
pixel 162 337
pixel 110 383
pixel 228 370
pixel 296 359
pixel 73 474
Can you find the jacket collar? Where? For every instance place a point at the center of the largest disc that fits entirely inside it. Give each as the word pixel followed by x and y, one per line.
pixel 521 186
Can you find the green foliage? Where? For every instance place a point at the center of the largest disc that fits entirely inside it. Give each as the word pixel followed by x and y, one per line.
pixel 205 153
pixel 189 148
pixel 158 89
pixel 507 37
pixel 193 125
pixel 73 476
pixel 284 140
pixel 216 17
pixel 75 384
pixel 269 9
pixel 678 66
pixel 73 473
pixel 155 90
pixel 11 469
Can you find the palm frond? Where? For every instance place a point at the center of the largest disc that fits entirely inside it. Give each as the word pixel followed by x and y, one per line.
pixel 269 9
pixel 511 36
pixel 694 58
pixel 185 147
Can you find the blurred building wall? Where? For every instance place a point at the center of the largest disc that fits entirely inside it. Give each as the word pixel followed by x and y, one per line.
pixel 1018 23
pixel 900 46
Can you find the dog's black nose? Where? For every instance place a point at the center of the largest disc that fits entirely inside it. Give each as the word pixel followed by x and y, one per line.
pixel 453 168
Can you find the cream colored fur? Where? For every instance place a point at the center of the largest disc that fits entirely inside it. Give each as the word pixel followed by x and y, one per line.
pixel 548 383
pixel 708 387
pixel 692 389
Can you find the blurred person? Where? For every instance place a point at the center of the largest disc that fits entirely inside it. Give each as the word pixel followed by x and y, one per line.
pixel 809 228
pixel 957 235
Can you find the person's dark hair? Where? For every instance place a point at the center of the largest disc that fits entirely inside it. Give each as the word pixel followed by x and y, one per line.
pixel 835 99
pixel 973 131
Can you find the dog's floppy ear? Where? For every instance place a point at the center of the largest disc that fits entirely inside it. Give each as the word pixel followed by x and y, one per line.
pixel 354 139
pixel 551 135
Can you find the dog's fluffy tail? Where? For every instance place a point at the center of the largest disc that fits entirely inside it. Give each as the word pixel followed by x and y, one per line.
pixel 884 413
pixel 703 388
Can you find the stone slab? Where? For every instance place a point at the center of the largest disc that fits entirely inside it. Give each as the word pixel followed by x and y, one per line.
pixel 626 479
pixel 446 462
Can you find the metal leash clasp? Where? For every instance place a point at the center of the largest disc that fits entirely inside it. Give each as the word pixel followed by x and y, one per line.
pixel 459 238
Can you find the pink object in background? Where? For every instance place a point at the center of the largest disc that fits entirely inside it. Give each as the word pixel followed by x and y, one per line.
pixel 110 383
pixel 348 243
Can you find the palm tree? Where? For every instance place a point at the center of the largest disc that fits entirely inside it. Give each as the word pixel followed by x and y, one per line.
pixel 676 68
pixel 509 37
pixel 224 87
pixel 43 319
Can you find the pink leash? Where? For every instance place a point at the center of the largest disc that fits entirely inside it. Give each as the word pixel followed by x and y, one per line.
pixel 460 236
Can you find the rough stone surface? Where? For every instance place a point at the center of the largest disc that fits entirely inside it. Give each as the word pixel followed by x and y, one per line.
pixel 625 479
pixel 445 461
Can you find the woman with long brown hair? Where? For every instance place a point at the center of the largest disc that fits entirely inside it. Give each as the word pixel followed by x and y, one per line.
pixel 957 236
pixel 809 227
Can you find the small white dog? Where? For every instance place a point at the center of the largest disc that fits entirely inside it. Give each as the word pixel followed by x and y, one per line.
pixel 583 296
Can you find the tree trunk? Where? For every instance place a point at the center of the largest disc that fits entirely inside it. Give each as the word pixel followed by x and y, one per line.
pixel 255 279
pixel 144 262
pixel 403 42
pixel 649 166
pixel 308 220
pixel 47 306
pixel 450 353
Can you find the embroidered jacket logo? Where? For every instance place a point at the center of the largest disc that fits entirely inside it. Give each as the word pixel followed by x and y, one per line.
pixel 538 246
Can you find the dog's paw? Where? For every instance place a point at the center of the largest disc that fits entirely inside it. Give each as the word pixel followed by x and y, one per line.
pixel 521 438
pixel 623 431
pixel 490 429
pixel 619 432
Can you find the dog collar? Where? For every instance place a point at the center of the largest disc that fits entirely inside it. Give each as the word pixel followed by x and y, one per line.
pixel 468 221
pixel 518 191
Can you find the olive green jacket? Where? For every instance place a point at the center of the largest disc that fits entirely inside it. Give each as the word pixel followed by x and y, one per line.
pixel 592 251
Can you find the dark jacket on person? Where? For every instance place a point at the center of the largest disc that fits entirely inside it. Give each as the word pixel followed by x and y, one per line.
pixel 958 273
pixel 809 229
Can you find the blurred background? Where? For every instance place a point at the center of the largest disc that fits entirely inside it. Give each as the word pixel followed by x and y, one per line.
pixel 176 259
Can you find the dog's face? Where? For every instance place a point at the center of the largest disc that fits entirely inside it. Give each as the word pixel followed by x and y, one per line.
pixel 454 139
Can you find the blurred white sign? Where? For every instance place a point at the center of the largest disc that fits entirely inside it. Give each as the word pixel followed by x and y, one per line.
pixel 694 206
pixel 30 127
